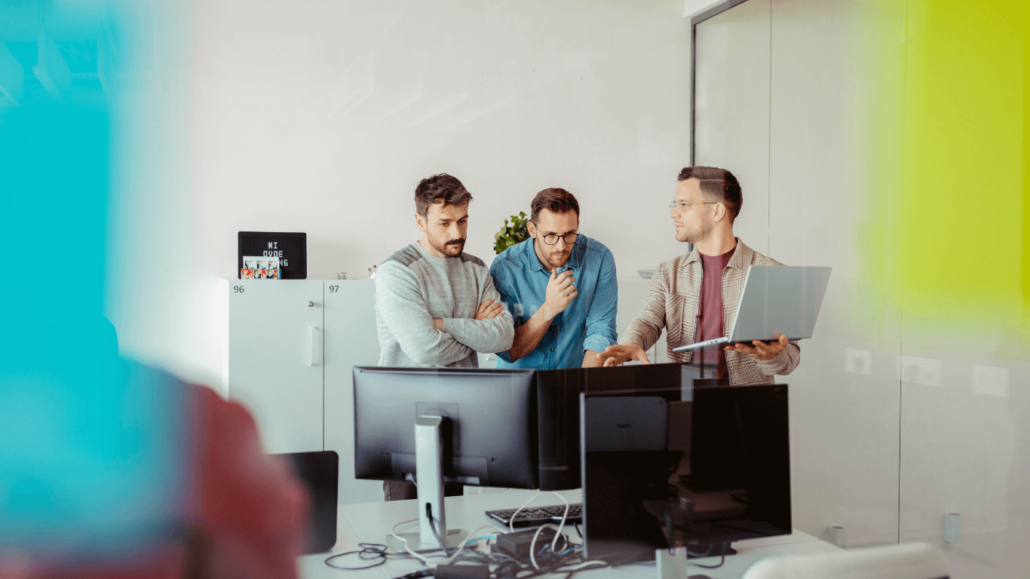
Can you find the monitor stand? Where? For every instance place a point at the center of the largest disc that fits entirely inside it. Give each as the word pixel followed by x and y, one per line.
pixel 672 564
pixel 429 477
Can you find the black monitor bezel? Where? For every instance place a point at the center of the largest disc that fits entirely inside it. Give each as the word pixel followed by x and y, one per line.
pixel 525 459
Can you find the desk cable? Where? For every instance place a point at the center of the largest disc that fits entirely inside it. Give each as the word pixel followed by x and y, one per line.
pixel 558 533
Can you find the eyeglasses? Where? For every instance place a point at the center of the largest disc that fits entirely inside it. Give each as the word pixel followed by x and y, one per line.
pixel 570 238
pixel 681 206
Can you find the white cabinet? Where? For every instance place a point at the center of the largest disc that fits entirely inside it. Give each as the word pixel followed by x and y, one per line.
pixel 292 347
pixel 275 359
pixel 351 340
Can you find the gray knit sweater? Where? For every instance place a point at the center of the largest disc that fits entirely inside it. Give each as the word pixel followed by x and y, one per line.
pixel 414 287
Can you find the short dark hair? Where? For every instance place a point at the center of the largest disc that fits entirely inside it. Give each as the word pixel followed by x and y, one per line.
pixel 555 200
pixel 719 185
pixel 442 188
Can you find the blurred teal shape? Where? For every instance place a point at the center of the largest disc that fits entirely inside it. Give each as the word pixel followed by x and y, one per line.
pixel 89 445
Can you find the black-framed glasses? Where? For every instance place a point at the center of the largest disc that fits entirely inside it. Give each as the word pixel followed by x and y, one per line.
pixel 681 206
pixel 552 239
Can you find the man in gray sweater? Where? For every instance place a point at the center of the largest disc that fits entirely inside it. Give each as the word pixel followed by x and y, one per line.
pixel 435 305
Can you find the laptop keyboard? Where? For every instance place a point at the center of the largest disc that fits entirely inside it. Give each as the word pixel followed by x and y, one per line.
pixel 536 516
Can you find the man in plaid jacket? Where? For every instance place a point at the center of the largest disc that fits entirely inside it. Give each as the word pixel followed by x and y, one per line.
pixel 695 296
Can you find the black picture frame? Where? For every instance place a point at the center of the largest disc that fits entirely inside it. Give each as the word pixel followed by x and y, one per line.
pixel 290 248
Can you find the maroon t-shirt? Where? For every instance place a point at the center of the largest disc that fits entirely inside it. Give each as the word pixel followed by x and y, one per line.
pixel 709 313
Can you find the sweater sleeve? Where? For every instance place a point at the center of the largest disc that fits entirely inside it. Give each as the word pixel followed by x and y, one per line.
pixel 487 336
pixel 406 314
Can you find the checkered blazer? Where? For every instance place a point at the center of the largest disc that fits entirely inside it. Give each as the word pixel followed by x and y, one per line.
pixel 672 302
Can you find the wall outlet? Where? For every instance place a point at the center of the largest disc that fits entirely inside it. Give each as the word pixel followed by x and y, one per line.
pixel 925 371
pixel 991 380
pixel 858 361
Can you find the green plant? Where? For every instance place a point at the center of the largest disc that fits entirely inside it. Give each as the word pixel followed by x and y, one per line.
pixel 509 235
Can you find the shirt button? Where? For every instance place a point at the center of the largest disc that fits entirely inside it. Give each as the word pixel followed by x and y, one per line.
pixel 552 349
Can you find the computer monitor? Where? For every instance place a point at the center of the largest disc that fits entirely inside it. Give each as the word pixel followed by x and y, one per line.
pixel 557 394
pixel 444 425
pixel 696 468
pixel 319 472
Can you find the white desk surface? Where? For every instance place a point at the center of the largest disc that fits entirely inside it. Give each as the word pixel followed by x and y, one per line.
pixel 372 522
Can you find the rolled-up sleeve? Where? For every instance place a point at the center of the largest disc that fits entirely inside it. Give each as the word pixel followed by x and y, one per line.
pixel 507 293
pixel 600 323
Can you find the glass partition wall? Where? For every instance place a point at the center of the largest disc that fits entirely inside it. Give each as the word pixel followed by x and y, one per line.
pixel 855 150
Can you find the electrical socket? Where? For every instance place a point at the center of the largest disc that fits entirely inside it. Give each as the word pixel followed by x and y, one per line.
pixel 925 371
pixel 858 361
pixel 991 380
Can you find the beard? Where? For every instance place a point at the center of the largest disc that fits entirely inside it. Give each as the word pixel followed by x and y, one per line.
pixel 696 234
pixel 558 258
pixel 451 248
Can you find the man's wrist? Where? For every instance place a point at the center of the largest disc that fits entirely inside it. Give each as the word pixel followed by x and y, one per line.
pixel 591 358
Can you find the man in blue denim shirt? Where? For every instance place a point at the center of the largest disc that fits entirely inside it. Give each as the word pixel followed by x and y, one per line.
pixel 560 286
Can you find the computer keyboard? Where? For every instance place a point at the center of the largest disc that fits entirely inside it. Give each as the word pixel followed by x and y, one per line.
pixel 536 516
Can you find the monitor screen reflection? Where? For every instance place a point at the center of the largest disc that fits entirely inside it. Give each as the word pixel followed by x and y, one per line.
pixel 660 471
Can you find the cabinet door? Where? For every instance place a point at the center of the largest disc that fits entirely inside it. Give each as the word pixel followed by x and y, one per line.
pixel 275 359
pixel 351 340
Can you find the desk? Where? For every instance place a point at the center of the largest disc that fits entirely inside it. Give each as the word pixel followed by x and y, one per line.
pixel 371 522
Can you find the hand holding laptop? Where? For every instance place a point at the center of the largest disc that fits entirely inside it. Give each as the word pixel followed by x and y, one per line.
pixel 778 303
pixel 762 350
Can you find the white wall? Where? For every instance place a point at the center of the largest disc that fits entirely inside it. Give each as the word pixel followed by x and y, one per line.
pixel 323 116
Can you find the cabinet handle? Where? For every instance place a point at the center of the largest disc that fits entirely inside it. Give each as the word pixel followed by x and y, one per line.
pixel 316 345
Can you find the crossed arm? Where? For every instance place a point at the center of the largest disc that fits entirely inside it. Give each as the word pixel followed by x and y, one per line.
pixel 491 330
pixel 443 341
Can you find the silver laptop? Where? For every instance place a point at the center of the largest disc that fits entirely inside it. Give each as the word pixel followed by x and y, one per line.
pixel 777 299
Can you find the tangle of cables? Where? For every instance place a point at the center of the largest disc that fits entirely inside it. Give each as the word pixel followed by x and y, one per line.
pixel 374 552
pixel 560 555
